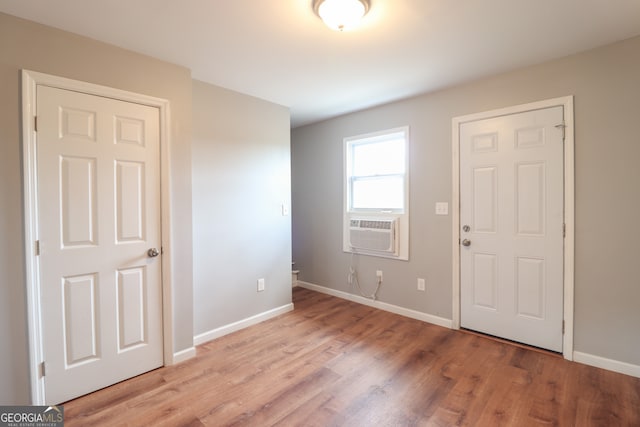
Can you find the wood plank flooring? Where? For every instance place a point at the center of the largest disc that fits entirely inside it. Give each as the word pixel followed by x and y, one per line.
pixel 331 362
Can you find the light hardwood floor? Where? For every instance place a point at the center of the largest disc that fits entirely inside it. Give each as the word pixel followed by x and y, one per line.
pixel 332 362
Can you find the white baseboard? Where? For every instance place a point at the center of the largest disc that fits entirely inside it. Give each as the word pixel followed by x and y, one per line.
pixel 608 364
pixel 183 355
pixel 241 324
pixel 429 318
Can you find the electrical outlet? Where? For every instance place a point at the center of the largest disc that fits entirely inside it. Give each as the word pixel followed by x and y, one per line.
pixel 421 285
pixel 379 274
pixel 260 285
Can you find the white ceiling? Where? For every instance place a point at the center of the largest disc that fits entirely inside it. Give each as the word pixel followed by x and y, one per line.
pixel 278 50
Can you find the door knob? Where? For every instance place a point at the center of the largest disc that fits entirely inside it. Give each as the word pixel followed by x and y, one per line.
pixel 153 252
pixel 466 242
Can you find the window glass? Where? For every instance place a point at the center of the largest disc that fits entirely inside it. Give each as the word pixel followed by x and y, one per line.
pixel 379 158
pixel 376 169
pixel 380 192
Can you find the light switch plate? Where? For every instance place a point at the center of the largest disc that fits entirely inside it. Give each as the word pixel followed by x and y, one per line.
pixel 442 208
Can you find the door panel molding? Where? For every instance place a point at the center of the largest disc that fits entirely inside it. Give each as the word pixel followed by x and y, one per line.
pixel 569 205
pixel 30 81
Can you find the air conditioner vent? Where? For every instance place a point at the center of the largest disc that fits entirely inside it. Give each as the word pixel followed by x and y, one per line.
pixel 378 225
pixel 377 235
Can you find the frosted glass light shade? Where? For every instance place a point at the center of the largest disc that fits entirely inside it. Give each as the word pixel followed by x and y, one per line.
pixel 341 14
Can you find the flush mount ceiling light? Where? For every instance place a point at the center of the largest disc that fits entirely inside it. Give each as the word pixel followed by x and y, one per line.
pixel 341 15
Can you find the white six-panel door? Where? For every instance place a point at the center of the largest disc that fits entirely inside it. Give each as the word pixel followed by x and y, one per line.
pixel 98 215
pixel 511 219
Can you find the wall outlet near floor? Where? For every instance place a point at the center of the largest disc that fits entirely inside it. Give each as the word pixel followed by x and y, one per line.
pixel 260 285
pixel 421 285
pixel 379 275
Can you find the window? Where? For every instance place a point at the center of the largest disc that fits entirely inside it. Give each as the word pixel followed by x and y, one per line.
pixel 376 169
pixel 376 186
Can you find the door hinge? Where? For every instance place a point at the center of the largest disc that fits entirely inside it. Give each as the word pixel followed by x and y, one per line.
pixel 42 369
pixel 37 247
pixel 562 127
pixel 563 327
pixel 564 230
pixel 35 123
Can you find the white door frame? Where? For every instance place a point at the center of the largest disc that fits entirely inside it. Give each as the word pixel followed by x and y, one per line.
pixel 30 81
pixel 569 184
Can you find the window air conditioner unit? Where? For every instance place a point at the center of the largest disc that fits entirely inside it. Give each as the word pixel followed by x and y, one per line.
pixel 374 235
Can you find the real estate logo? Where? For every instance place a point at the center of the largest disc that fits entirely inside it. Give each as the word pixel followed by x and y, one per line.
pixel 31 416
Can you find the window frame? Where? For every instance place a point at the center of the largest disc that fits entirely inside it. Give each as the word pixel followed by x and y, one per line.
pixel 399 214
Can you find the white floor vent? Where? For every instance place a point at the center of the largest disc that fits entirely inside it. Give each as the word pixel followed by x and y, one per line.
pixel 377 235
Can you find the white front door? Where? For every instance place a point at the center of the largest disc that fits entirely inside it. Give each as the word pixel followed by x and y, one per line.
pixel 98 216
pixel 511 219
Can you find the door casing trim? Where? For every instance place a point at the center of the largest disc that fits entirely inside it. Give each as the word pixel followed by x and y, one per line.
pixel 30 81
pixel 569 207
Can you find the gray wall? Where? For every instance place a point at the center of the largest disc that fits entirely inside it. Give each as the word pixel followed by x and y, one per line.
pixel 606 85
pixel 241 176
pixel 26 45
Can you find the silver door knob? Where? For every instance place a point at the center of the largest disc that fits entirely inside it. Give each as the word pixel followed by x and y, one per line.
pixel 466 242
pixel 153 252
